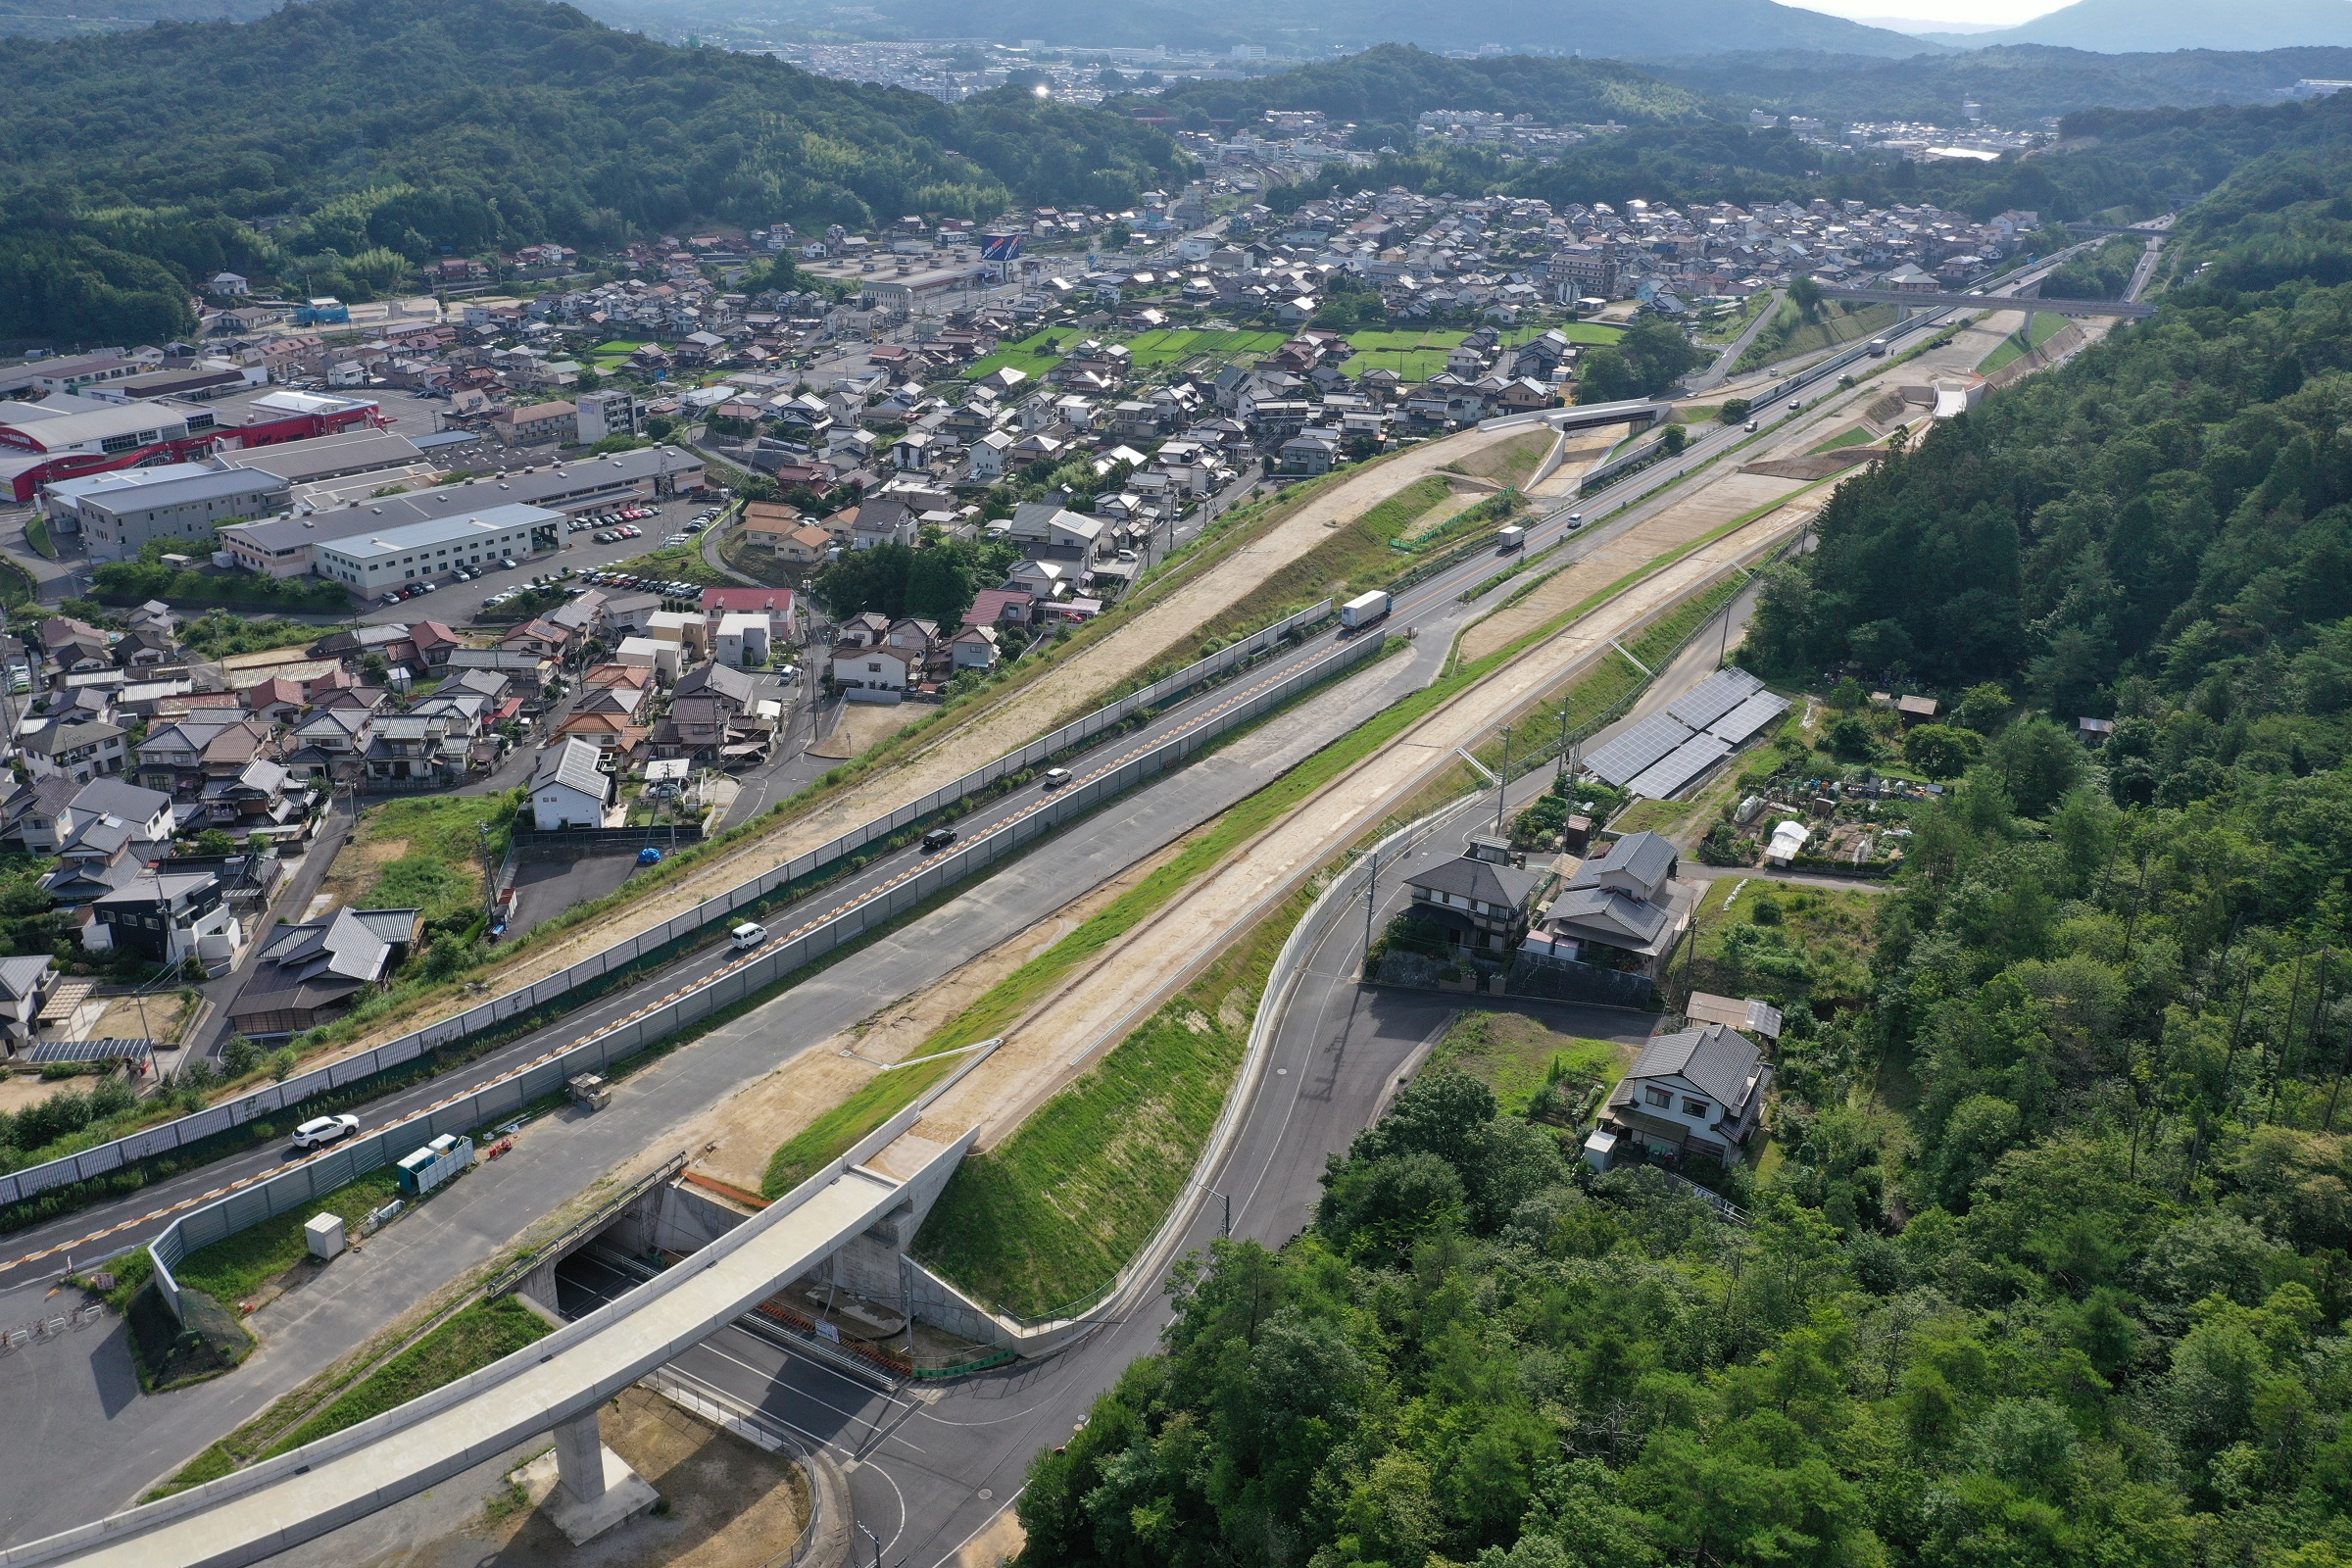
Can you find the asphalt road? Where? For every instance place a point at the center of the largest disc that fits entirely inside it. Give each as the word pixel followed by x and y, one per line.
pixel 81 1437
pixel 931 1466
pixel 41 1252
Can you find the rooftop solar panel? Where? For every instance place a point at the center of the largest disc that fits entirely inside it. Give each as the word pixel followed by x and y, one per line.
pixel 91 1050
pixel 1750 716
pixel 1636 749
pixel 1709 701
pixel 1677 768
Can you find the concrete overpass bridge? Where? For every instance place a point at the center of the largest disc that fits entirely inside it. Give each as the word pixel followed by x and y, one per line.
pixel 1990 301
pixel 875 1195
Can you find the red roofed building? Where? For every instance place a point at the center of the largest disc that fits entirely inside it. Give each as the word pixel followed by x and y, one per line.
pixel 1000 606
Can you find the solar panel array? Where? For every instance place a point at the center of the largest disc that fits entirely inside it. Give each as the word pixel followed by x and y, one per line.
pixel 1749 718
pixel 1709 701
pixel 1678 767
pixel 1635 751
pixel 49 1051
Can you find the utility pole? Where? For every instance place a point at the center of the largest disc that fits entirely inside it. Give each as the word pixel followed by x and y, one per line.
pixel 1371 900
pixel 1502 781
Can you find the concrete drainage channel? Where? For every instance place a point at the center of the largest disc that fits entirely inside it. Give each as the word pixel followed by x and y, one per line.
pixel 718 911
pixel 297 1186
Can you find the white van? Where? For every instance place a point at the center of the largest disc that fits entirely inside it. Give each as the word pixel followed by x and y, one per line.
pixel 749 935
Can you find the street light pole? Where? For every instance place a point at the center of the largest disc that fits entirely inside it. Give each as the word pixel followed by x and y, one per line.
pixel 1502 781
pixel 1371 903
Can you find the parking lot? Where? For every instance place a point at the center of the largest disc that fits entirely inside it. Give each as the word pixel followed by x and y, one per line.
pixel 455 603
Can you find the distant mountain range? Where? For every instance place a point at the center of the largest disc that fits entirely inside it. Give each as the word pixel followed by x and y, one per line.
pixel 1301 26
pixel 2129 26
pixel 2017 84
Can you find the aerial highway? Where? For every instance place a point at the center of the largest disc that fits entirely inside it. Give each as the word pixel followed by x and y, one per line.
pixel 1010 1413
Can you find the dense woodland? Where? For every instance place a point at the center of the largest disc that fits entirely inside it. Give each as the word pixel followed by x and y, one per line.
pixel 393 130
pixel 2016 83
pixel 2133 162
pixel 1391 85
pixel 2048 1262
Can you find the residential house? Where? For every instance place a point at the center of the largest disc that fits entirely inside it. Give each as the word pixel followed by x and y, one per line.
pixel 210 743
pixel 25 986
pixel 1622 910
pixel 875 674
pixel 609 733
pixel 742 640
pixel 38 811
pixel 537 637
pixel 409 752
pixel 1700 1090
pixel 770 525
pixel 165 917
pixel 330 746
pixel 1478 897
pixel 434 643
pixel 148 812
pixel 275 700
pixel 262 796
pixel 311 973
pixel 998 607
pixel 571 788
pixel 78 751
pixel 973 647
pixel 526 670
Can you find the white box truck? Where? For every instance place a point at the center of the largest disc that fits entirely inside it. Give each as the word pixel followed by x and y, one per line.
pixel 1511 538
pixel 1364 610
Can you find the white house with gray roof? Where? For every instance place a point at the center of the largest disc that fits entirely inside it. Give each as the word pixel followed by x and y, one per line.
pixel 570 790
pixel 1701 1090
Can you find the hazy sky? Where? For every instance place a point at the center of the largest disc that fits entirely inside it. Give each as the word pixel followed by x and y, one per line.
pixel 1982 13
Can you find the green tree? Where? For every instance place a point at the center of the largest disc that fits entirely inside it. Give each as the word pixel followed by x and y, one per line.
pixel 1941 751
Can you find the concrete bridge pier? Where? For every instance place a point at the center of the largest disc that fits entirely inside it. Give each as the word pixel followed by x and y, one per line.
pixel 595 1487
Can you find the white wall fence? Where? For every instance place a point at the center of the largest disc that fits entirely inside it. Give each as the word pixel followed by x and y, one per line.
pixel 304 1183
pixel 718 911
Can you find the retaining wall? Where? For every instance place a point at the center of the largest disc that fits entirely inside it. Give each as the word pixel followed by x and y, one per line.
pixel 299 1185
pixel 718 911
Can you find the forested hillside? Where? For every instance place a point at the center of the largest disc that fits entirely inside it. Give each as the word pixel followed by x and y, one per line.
pixel 2048 1259
pixel 2017 83
pixel 392 129
pixel 2139 161
pixel 1393 85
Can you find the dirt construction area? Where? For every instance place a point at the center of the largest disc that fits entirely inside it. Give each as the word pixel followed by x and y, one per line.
pixel 1118 988
pixel 725 1503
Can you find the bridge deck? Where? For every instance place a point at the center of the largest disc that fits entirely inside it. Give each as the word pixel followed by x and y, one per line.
pixel 282 1503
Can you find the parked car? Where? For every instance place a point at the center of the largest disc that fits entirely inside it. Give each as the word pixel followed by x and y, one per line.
pixel 321 1131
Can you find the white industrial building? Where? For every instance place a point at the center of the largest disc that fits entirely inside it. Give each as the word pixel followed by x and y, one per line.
pixel 371 562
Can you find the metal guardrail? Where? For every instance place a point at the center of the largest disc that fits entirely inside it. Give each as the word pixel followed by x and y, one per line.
pixel 719 909
pixel 514 1273
pixel 294 1186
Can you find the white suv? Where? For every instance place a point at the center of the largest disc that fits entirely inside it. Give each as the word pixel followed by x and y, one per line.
pixel 321 1131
